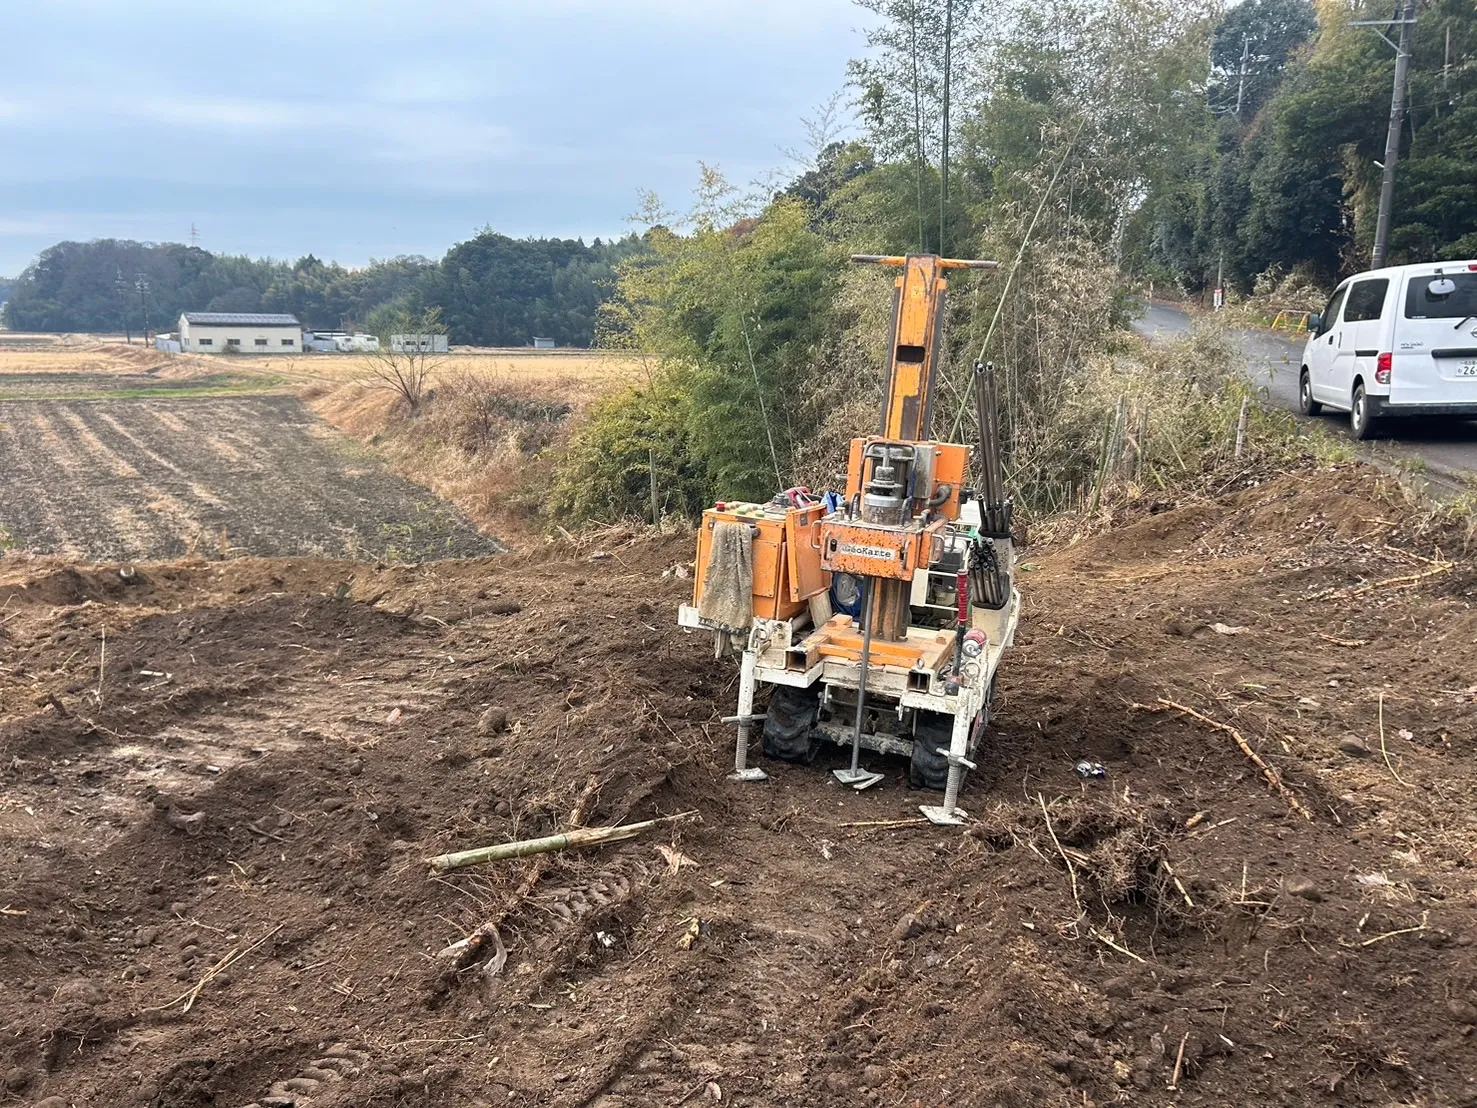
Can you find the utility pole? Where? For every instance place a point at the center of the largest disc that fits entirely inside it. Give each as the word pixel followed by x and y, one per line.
pixel 1392 136
pixel 120 287
pixel 194 235
pixel 1241 80
pixel 142 284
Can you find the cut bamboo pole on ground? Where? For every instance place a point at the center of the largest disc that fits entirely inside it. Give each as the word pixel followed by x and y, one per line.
pixel 1274 779
pixel 570 840
pixel 1409 580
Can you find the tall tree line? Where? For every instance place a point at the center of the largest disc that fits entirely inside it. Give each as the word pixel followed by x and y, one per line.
pixel 1198 141
pixel 1075 141
pixel 1283 178
pixel 492 290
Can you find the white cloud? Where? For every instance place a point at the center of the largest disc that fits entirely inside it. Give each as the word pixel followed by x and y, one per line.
pixel 214 113
pixel 393 124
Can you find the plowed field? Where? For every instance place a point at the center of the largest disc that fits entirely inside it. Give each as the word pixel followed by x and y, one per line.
pixel 157 478
pixel 221 782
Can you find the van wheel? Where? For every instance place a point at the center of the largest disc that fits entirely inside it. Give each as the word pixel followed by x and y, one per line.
pixel 1360 423
pixel 1309 406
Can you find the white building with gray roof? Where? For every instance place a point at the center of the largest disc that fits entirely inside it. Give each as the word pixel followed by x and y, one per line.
pixel 240 333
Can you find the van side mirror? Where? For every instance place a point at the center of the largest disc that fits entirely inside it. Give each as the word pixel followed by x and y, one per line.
pixel 1315 323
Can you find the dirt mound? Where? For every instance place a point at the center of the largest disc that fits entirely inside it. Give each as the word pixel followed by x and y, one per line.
pixel 215 828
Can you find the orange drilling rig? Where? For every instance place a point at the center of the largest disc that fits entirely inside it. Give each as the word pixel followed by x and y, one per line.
pixel 879 617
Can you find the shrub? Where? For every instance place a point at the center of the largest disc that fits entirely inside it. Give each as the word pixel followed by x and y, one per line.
pixel 606 474
pixel 487 415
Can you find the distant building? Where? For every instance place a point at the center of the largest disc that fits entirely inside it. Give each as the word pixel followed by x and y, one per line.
pixel 543 344
pixel 240 333
pixel 324 342
pixel 418 344
pixel 357 343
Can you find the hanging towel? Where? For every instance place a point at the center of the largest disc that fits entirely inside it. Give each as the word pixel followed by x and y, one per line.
pixel 728 585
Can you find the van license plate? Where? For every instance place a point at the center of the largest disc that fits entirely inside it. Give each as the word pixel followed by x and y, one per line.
pixel 1467 368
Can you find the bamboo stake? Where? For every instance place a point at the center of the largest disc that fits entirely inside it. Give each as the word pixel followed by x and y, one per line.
pixel 1241 427
pixel 656 511
pixel 1273 778
pixel 1177 884
pixel 1071 869
pixel 1403 931
pixel 569 840
pixel 1385 754
pixel 1111 945
pixel 1179 1063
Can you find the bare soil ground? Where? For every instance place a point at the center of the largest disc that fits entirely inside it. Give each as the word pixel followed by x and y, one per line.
pixel 221 781
pixel 139 479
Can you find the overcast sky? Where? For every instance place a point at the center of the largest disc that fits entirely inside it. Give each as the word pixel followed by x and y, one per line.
pixel 374 128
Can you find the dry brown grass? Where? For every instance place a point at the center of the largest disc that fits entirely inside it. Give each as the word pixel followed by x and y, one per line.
pixel 598 370
pixel 488 443
pixel 100 358
pixel 595 366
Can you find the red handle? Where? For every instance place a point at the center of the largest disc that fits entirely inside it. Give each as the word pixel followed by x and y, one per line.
pixel 962 591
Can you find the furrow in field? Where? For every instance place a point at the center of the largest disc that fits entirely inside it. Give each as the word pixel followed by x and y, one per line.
pixel 117 431
pixel 185 530
pixel 99 485
pixel 177 493
pixel 54 449
pixel 169 420
pixel 248 448
pixel 96 479
pixel 28 513
pixel 207 426
pixel 240 466
pixel 142 479
pixel 107 460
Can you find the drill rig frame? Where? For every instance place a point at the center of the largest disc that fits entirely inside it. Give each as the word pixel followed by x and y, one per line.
pixel 912 672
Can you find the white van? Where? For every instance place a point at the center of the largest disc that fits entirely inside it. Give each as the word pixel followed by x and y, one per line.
pixel 1400 341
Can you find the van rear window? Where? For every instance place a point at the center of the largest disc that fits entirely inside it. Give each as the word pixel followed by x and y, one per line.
pixel 1461 302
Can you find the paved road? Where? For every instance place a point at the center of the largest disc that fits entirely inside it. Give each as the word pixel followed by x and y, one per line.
pixel 1448 447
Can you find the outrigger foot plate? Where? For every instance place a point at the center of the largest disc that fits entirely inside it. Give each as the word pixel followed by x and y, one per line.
pixel 944 817
pixel 858 779
pixel 752 773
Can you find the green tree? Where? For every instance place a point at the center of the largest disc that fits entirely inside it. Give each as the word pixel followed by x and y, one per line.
pixel 735 304
pixel 1251 50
